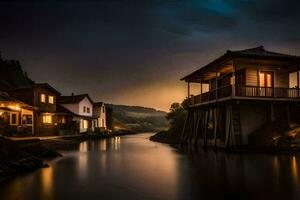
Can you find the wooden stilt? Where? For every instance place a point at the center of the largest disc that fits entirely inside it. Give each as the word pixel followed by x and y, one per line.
pixel 205 127
pixel 216 116
pixel 197 127
pixel 228 126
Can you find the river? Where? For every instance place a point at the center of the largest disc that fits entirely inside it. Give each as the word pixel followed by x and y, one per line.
pixel 132 167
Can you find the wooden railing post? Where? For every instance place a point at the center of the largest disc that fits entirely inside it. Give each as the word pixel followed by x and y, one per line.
pixel 233 78
pixel 216 86
pixel 297 79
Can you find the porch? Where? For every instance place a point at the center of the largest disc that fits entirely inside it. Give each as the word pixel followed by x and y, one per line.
pixel 244 92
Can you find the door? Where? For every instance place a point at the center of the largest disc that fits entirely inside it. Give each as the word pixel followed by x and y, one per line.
pixel 266 83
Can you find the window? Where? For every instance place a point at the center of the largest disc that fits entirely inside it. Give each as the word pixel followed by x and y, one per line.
pixel 51 99
pixel 27 119
pixel 103 110
pixel 47 119
pixel 61 119
pixel 85 124
pixel 84 109
pixel 43 98
pixel 88 110
pixel 14 119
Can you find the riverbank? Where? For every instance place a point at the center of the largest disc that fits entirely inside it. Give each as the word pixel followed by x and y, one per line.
pixel 22 155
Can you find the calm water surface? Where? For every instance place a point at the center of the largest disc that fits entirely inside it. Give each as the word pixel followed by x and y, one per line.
pixel 132 167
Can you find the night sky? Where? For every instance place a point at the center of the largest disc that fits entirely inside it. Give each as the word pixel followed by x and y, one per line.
pixel 134 52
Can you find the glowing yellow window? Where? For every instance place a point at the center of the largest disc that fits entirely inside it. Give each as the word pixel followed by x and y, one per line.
pixel 85 124
pixel 47 119
pixel 14 119
pixel 43 98
pixel 51 99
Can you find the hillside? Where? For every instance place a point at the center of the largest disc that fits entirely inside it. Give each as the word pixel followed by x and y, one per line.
pixel 138 119
pixel 132 118
pixel 12 75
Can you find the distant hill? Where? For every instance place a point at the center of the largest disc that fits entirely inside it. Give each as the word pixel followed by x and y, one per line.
pixel 138 119
pixel 12 75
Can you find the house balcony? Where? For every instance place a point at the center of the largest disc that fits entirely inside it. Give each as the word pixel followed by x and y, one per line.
pixel 245 92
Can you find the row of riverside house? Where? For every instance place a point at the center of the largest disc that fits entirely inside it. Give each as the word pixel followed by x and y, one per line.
pixel 40 110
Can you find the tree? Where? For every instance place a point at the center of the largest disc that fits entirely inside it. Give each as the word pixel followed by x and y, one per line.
pixel 176 118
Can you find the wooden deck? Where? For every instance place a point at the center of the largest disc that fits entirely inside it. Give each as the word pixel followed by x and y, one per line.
pixel 245 92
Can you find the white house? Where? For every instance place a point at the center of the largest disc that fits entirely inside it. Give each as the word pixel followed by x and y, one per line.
pixel 99 113
pixel 82 107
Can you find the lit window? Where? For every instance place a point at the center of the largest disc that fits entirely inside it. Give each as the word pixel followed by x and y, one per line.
pixel 43 98
pixel 51 99
pixel 14 119
pixel 85 124
pixel 47 119
pixel 63 119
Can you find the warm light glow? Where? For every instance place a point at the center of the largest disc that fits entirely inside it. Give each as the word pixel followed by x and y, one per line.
pixel 47 119
pixel 47 180
pixel 16 107
pixel 294 166
pixel 265 79
pixel 102 145
pixel 85 124
pixel 43 98
pixel 83 147
pixel 51 99
pixel 116 143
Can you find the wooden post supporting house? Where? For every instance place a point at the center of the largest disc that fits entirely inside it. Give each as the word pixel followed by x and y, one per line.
pixel 189 93
pixel 215 118
pixel 244 87
pixel 298 79
pixel 216 86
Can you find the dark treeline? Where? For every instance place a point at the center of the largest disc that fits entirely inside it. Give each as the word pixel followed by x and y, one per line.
pixel 176 117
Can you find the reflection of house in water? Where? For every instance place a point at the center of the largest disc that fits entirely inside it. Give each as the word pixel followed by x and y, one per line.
pixel 16 117
pixel 246 90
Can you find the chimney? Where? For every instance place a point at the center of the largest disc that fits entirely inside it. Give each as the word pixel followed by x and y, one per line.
pixel 72 94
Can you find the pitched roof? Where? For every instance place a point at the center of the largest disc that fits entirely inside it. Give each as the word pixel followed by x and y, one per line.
pixel 64 111
pixel 261 52
pixel 6 98
pixel 98 104
pixel 73 99
pixel 39 85
pixel 256 53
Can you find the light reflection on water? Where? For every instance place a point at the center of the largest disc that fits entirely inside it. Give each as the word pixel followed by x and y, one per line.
pixel 132 167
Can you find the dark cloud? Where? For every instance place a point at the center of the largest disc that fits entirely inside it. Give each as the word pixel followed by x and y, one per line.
pixel 114 48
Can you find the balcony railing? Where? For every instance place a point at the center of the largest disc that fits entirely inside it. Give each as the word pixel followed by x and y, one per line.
pixel 245 91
